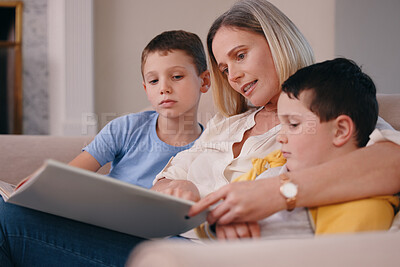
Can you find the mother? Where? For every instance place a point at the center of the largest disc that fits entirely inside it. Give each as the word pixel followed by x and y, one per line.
pixel 253 48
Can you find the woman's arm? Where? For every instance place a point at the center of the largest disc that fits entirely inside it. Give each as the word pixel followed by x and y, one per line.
pixel 366 172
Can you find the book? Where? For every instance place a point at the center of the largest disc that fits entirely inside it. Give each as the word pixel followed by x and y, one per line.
pixel 92 198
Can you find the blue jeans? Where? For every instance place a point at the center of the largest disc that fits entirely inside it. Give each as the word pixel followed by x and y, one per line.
pixel 33 238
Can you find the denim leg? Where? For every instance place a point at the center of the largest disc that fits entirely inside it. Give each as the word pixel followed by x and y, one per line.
pixel 33 238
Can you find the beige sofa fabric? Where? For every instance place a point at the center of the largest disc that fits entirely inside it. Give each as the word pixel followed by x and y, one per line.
pixel 22 154
pixel 389 109
pixel 366 250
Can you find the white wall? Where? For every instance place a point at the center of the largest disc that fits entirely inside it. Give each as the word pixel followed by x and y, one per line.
pixel 316 20
pixel 70 65
pixel 122 30
pixel 368 31
pixel 365 30
pixel 124 27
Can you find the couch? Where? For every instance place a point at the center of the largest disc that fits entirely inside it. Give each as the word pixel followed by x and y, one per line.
pixel 22 154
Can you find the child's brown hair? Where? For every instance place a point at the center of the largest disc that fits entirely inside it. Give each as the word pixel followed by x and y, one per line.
pixel 185 41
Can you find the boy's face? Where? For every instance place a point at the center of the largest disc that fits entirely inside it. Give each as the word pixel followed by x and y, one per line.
pixel 172 84
pixel 305 140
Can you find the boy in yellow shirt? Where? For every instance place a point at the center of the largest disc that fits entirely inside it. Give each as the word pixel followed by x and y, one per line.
pixel 326 110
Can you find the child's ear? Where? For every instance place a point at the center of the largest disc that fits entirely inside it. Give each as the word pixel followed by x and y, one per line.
pixel 205 81
pixel 344 129
pixel 144 86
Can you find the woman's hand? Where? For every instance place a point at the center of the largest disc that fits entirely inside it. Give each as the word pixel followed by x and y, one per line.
pixel 238 230
pixel 242 202
pixel 178 188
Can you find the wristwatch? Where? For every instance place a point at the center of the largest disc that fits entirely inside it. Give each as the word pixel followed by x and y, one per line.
pixel 288 191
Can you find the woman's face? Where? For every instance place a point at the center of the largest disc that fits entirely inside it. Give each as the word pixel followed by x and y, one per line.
pixel 245 59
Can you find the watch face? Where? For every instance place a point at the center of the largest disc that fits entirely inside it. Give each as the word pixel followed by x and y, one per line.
pixel 289 190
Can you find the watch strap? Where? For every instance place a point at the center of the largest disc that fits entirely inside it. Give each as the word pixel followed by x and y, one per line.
pixel 290 202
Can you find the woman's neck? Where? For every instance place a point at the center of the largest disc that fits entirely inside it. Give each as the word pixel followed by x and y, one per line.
pixel 265 119
pixel 272 105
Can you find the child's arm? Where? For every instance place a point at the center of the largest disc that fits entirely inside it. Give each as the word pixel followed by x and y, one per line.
pixel 368 214
pixel 85 161
pixel 178 188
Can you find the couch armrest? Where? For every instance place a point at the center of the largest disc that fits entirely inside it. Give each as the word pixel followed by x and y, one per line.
pixel 372 249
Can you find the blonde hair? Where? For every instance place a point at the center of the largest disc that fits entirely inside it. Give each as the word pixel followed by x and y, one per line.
pixel 289 48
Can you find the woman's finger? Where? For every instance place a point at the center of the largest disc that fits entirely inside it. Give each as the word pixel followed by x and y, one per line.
pixel 217 213
pixel 206 202
pixel 229 216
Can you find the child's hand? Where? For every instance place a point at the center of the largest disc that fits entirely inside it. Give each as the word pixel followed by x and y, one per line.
pixel 238 230
pixel 178 188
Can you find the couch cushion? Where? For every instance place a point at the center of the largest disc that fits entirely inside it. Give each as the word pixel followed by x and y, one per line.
pixel 389 109
pixel 22 154
pixel 362 249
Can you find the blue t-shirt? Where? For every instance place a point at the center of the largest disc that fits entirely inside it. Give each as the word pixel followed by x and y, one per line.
pixel 132 144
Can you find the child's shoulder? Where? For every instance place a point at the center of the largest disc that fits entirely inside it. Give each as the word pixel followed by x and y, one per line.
pixel 139 118
pixel 144 114
pixel 135 116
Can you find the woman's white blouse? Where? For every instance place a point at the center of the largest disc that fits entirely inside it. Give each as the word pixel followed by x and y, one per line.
pixel 209 163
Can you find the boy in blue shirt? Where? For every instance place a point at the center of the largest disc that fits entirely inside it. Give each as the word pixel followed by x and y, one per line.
pixel 139 145
pixel 174 71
